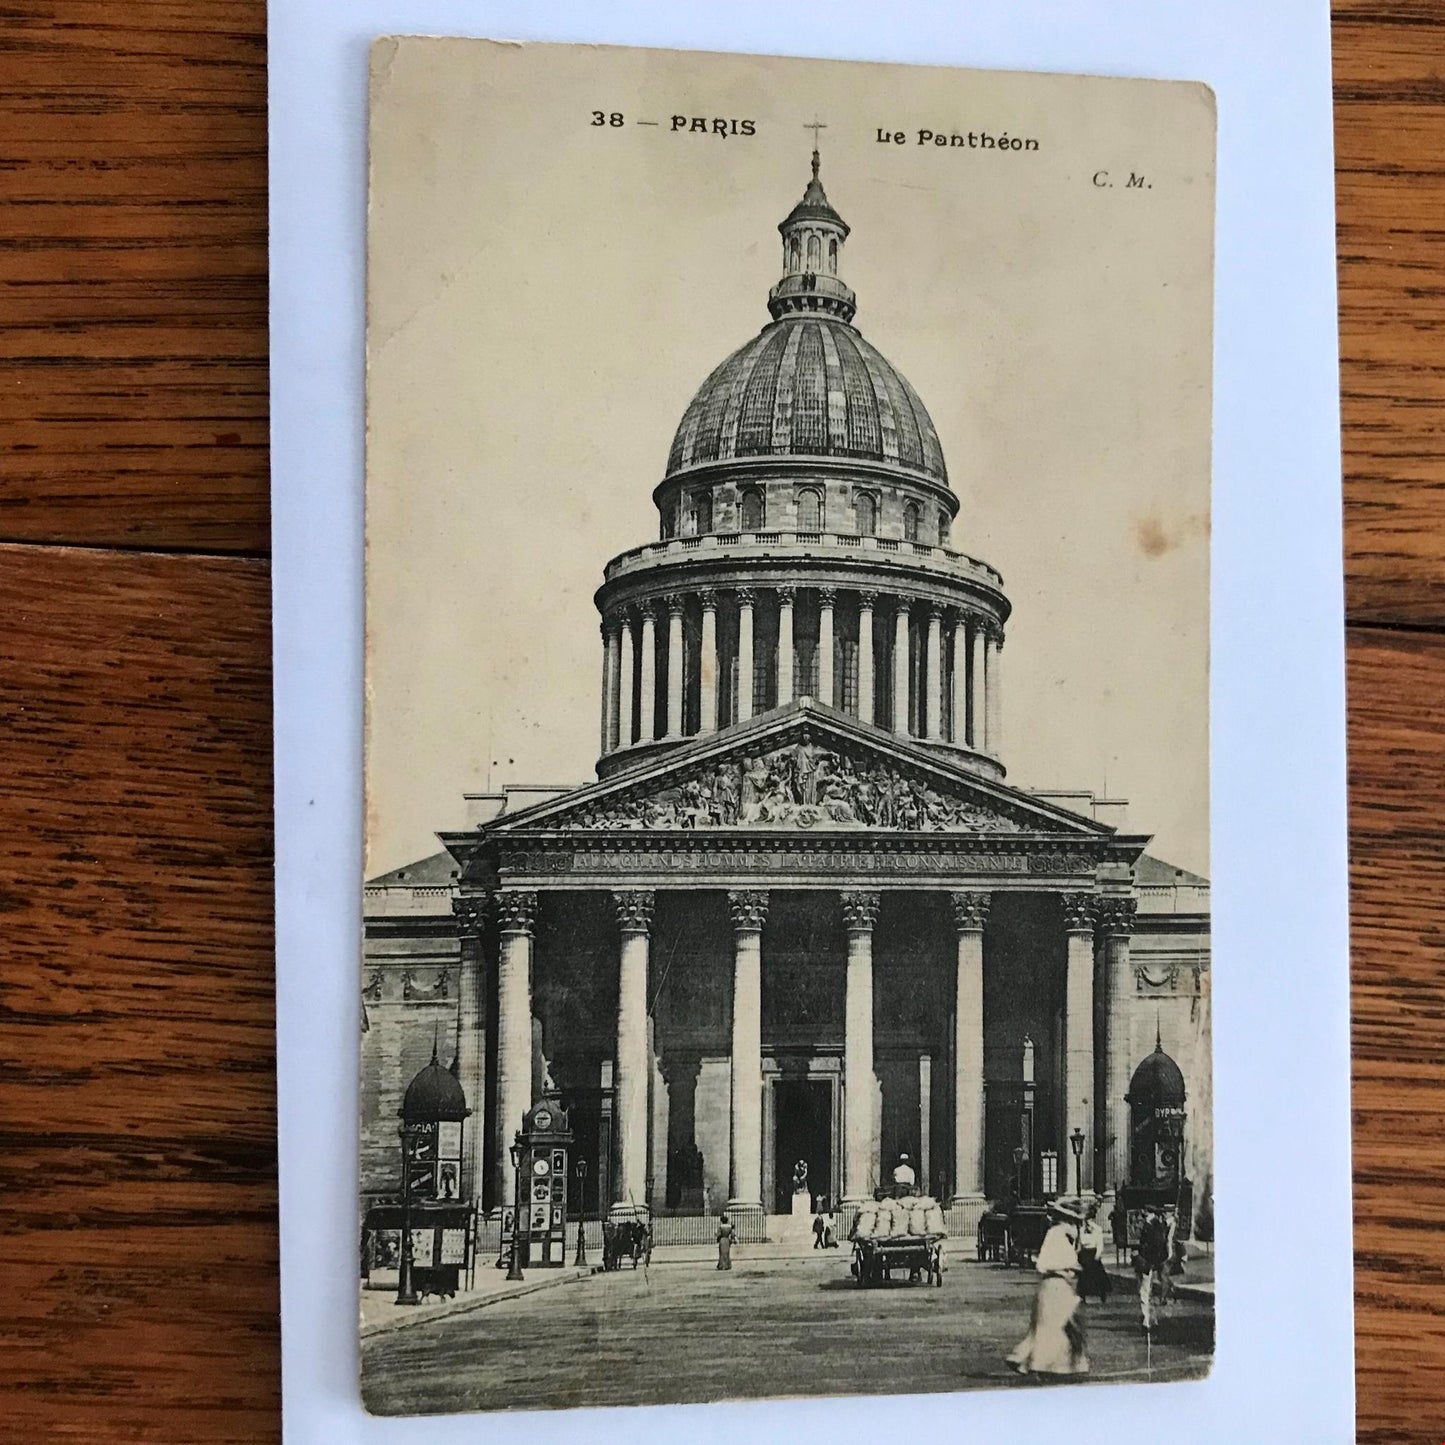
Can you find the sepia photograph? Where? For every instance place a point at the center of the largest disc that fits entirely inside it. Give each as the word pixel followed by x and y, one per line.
pixel 786 916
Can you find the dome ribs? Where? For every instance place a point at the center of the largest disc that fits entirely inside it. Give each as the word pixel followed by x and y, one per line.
pixel 809 432
pixel 864 437
pixel 754 435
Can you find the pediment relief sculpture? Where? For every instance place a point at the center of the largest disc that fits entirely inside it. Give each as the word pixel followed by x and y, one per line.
pixel 800 785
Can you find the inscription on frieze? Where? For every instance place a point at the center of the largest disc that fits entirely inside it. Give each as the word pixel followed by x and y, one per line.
pixel 843 861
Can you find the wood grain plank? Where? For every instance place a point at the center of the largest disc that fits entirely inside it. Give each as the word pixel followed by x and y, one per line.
pixel 1397 828
pixel 133 381
pixel 1390 193
pixel 137 1153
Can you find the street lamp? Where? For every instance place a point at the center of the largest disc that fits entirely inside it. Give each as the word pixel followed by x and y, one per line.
pixel 514 1259
pixel 581 1261
pixel 1076 1141
pixel 405 1289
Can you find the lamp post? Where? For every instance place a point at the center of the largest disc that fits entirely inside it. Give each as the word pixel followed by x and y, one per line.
pixel 405 1289
pixel 581 1261
pixel 514 1259
pixel 1076 1141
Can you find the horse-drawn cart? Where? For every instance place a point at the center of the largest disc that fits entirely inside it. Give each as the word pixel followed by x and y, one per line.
pixel 627 1234
pixel 905 1233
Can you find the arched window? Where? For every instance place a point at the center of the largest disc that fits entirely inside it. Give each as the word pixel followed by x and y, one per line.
pixel 751 511
pixel 810 511
pixel 943 529
pixel 867 513
pixel 701 513
pixel 795 254
pixel 814 251
pixel 911 518
pixel 833 256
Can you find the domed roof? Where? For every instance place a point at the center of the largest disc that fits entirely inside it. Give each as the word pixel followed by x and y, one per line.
pixel 808 386
pixel 433 1095
pixel 1157 1081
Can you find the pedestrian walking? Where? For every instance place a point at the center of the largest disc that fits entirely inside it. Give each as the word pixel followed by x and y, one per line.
pixel 820 1228
pixel 1151 1265
pixel 1093 1277
pixel 724 1243
pixel 1054 1344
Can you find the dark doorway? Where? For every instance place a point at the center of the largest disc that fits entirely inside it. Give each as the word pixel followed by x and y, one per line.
pixel 803 1129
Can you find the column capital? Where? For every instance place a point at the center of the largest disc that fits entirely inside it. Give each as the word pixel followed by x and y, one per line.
pixel 902 606
pixel 970 910
pixel 934 610
pixel 860 909
pixel 517 910
pixel 634 909
pixel 1114 916
pixel 827 596
pixel 611 626
pixel 994 631
pixel 785 594
pixel 676 606
pixel 1078 912
pixel 708 597
pixel 746 596
pixel 749 908
pixel 650 609
pixel 470 911
pixel 867 598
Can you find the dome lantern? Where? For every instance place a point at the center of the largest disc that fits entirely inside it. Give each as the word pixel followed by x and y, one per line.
pixel 813 235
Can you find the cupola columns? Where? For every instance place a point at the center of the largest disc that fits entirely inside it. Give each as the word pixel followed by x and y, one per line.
pixel 647 704
pixel 900 668
pixel 708 664
pixel 785 645
pixel 745 653
pixel 826 599
pixel 865 656
pixel 939 681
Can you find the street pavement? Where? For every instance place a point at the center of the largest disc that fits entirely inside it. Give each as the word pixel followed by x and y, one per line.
pixel 771 1327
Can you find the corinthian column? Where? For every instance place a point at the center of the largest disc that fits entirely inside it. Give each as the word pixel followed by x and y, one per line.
pixel 865 656
pixel 958 730
pixel 978 642
pixel 708 663
pixel 970 913
pixel 611 673
pixel 993 690
pixel 785 645
pixel 827 596
pixel 930 688
pixel 860 913
pixel 674 667
pixel 647 707
pixel 745 653
pixel 516 919
pixel 900 667
pixel 1116 922
pixel 627 671
pixel 749 908
pixel 634 919
pixel 470 912
pixel 1079 1033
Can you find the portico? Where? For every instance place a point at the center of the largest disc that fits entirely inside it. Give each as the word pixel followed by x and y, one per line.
pixel 644 933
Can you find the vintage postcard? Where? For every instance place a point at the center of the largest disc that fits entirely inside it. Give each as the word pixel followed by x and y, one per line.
pixel 787 907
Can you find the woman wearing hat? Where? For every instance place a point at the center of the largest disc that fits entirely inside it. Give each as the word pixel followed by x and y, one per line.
pixel 1054 1344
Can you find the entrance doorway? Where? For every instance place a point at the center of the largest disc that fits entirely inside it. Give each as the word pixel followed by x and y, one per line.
pixel 802 1129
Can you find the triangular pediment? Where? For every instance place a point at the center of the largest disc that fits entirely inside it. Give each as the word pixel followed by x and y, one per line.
pixel 802 768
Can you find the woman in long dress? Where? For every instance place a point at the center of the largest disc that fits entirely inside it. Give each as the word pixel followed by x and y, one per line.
pixel 725 1243
pixel 1054 1344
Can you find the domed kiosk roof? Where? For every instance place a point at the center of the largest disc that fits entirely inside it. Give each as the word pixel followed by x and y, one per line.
pixel 1157 1081
pixel 434 1095
pixel 808 386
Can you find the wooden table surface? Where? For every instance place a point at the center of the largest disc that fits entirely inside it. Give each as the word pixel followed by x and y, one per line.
pixel 137 1178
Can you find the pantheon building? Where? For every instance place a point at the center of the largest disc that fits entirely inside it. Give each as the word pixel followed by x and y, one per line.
pixel 801 913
